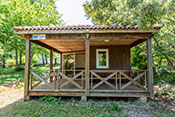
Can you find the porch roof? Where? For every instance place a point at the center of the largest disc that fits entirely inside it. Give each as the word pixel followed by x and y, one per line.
pixel 65 39
pixel 81 29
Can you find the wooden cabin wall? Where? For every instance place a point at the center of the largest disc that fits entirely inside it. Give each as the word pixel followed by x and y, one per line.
pixel 119 57
pixel 80 61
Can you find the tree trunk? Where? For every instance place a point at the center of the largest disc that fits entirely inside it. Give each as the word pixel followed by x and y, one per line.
pixel 43 59
pixel 16 55
pixel 55 61
pixel 20 58
pixel 170 63
pixel 46 59
pixel 4 54
pixel 3 60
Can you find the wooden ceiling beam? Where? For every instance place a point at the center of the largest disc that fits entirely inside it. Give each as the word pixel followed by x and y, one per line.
pixel 75 37
pixel 69 52
pixel 136 43
pixel 45 46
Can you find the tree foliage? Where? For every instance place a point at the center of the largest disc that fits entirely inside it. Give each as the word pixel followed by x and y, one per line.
pixel 145 14
pixel 24 13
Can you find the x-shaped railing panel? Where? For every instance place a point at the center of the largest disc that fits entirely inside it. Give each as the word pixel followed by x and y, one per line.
pixel 103 80
pixel 42 79
pixel 71 80
pixel 132 80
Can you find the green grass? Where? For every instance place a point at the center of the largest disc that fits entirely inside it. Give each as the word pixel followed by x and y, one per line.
pixel 36 108
pixel 66 108
pixel 18 76
pixel 8 75
pixel 7 70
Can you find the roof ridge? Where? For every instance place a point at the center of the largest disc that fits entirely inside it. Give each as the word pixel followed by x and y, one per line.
pixel 80 27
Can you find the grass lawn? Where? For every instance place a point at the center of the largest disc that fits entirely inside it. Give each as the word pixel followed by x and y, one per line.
pixel 54 107
pixel 9 75
pixel 7 70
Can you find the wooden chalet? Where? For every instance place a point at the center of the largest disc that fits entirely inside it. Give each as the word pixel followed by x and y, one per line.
pixel 100 63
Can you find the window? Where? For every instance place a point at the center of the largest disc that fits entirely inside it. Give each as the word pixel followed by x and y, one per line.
pixel 102 58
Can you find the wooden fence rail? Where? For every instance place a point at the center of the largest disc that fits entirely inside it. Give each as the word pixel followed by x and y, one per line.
pixel 118 80
pixel 61 79
pixel 99 80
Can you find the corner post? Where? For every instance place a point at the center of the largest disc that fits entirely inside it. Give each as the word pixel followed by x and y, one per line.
pixel 150 67
pixel 51 64
pixel 87 65
pixel 27 69
pixel 61 62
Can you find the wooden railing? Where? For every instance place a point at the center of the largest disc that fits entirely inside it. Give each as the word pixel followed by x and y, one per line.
pixel 118 80
pixel 62 80
pixel 38 77
pixel 99 80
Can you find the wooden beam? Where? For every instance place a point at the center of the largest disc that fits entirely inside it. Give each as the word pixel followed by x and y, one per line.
pixel 98 36
pixel 27 69
pixel 37 42
pixel 61 62
pixel 87 65
pixel 51 93
pixel 51 64
pixel 150 67
pixel 69 52
pixel 137 42
pixel 130 59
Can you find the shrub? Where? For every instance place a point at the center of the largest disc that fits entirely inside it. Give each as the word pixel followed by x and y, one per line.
pixel 19 68
pixel 50 99
pixel 152 104
pixel 116 107
pixel 10 62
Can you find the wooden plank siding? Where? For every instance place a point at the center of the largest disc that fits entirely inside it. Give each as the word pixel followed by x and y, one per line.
pixel 119 57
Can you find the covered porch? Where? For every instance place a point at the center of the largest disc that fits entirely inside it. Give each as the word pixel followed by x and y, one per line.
pixel 101 61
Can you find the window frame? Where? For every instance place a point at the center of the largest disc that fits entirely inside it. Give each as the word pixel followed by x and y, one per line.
pixel 107 58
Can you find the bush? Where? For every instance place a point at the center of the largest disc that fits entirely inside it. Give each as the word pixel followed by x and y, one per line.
pixel 152 104
pixel 19 68
pixel 50 99
pixel 116 107
pixel 7 70
pixel 10 62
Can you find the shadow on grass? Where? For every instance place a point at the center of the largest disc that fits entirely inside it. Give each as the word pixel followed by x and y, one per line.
pixel 8 110
pixel 18 76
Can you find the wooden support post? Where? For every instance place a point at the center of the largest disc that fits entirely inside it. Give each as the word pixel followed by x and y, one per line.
pixel 83 98
pixel 143 99
pixel 27 69
pixel 150 67
pixel 51 64
pixel 61 61
pixel 87 65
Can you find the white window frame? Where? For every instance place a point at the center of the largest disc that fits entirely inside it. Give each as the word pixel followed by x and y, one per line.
pixel 107 58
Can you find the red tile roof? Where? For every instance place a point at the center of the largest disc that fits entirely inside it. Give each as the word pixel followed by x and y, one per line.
pixel 80 27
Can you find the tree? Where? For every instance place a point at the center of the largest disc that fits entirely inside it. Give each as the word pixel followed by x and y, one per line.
pixel 24 13
pixel 124 12
pixel 145 14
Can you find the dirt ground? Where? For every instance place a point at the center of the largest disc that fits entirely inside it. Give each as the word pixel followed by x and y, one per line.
pixel 9 95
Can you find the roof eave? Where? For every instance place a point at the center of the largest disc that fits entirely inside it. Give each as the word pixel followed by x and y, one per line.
pixel 81 31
